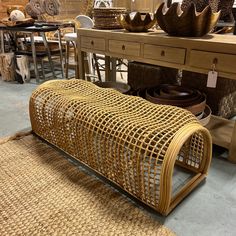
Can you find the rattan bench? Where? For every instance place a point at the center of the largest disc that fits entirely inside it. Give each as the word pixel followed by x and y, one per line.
pixel 137 145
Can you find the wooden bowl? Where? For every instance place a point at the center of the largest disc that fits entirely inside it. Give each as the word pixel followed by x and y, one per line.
pixel 121 87
pixel 187 23
pixel 136 21
pixel 196 104
pixel 206 116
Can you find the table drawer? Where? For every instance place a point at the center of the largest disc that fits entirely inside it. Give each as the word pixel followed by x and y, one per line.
pixel 223 62
pixel 124 47
pixel 93 43
pixel 162 53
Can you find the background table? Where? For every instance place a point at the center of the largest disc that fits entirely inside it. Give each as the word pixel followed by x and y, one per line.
pixel 191 54
pixel 41 29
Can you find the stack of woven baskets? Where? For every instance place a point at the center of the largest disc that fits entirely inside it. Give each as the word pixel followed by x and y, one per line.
pixel 105 18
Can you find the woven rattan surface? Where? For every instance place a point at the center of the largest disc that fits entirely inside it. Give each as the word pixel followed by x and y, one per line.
pixel 130 141
pixel 105 18
pixel 41 193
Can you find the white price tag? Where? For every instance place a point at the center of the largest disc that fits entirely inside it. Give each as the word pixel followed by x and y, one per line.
pixel 212 79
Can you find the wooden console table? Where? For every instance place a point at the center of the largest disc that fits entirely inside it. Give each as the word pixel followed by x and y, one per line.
pixel 192 54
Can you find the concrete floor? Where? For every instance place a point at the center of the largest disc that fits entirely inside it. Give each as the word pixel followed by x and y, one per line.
pixel 208 211
pixel 14 98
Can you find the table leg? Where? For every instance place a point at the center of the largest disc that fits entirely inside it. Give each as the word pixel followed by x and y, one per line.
pixel 97 66
pixel 77 59
pixel 42 68
pixel 113 69
pixel 48 52
pixel 67 59
pixel 81 61
pixel 2 41
pixel 232 149
pixel 107 68
pixel 61 55
pixel 34 57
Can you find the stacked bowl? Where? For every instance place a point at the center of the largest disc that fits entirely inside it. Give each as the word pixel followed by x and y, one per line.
pixel 190 99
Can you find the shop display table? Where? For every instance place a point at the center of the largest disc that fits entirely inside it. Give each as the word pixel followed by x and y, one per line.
pixel 192 54
pixel 31 30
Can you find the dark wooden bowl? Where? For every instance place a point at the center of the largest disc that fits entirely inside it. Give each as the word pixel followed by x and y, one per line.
pixel 187 23
pixel 194 103
pixel 121 87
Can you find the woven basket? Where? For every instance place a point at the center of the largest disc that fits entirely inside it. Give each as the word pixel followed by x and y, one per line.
pixel 128 140
pixel 141 75
pixel 221 99
pixel 105 18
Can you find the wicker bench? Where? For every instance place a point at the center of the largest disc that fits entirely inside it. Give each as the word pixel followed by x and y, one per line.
pixel 136 144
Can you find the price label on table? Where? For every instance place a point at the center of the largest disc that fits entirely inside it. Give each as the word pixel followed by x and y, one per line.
pixel 212 79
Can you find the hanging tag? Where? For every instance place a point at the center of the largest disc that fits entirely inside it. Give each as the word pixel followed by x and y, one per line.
pixel 212 79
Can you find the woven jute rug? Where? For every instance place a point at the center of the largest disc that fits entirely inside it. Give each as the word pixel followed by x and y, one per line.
pixel 42 193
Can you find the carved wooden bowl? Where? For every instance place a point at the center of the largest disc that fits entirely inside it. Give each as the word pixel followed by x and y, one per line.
pixel 187 23
pixel 136 21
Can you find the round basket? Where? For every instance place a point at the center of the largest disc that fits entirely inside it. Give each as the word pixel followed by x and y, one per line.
pixel 105 18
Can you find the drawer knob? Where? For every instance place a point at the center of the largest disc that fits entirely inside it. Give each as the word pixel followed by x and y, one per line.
pixel 162 53
pixel 92 43
pixel 123 47
pixel 215 61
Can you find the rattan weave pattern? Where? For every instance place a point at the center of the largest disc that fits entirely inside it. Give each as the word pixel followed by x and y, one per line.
pixel 127 139
pixel 105 18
